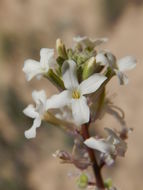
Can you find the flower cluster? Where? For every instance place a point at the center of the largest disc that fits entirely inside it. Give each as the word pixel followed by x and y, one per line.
pixel 80 74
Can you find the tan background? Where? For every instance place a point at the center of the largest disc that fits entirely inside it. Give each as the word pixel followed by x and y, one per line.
pixel 25 27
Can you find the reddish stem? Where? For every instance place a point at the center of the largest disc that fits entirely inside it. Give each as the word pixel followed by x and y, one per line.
pixel 96 167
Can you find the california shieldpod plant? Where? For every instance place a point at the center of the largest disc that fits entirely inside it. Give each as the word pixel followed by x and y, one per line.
pixel 81 74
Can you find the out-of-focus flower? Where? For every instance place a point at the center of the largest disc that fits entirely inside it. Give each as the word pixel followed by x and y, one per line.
pixel 118 66
pixel 65 157
pixel 111 147
pixel 102 145
pixel 120 145
pixel 87 42
pixel 34 68
pixel 73 96
pixel 35 112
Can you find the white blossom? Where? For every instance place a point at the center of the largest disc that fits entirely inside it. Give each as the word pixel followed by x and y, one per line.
pixel 118 66
pixel 102 145
pixel 34 68
pixel 113 145
pixel 36 112
pixel 73 96
pixel 121 146
pixel 87 42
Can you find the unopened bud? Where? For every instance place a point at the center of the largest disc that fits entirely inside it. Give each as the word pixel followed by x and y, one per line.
pixel 61 49
pixel 83 181
pixel 70 53
pixel 108 183
pixel 89 68
pixel 63 155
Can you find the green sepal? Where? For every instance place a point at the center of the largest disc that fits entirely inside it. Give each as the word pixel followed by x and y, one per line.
pixel 60 61
pixel 70 53
pixel 79 73
pixel 55 79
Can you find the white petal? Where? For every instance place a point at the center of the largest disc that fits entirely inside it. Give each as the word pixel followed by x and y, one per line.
pixel 39 96
pixel 92 83
pixel 69 74
pixel 100 145
pixel 99 41
pixel 31 68
pixel 30 111
pixel 46 57
pixel 79 39
pixel 31 133
pixel 102 59
pixel 113 135
pixel 123 79
pixel 121 146
pixel 85 41
pixel 37 122
pixel 108 160
pixel 89 42
pixel 59 100
pixel 112 60
pixel 126 63
pixel 80 110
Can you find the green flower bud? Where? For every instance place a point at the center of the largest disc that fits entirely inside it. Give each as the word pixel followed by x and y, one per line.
pixel 61 49
pixel 70 53
pixel 89 68
pixel 108 183
pixel 82 181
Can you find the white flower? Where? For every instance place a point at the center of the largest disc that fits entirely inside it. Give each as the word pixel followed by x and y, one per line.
pixel 101 145
pixel 85 41
pixel 73 96
pixel 34 68
pixel 118 66
pixel 120 145
pixel 35 112
pixel 112 145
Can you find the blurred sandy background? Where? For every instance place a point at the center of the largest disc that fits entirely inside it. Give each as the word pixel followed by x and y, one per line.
pixel 25 27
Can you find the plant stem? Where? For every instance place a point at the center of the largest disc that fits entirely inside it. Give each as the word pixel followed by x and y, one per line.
pixel 96 167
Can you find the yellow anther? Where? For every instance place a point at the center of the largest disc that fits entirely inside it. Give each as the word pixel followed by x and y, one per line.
pixel 75 94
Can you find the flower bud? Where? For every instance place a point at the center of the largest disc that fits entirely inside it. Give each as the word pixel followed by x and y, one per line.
pixel 63 155
pixel 70 53
pixel 83 181
pixel 61 49
pixel 108 183
pixel 89 68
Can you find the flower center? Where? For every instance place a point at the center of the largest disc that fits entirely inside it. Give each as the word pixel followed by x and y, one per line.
pixel 76 94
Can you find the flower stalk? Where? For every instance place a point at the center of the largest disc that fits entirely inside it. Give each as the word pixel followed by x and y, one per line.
pixel 96 168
